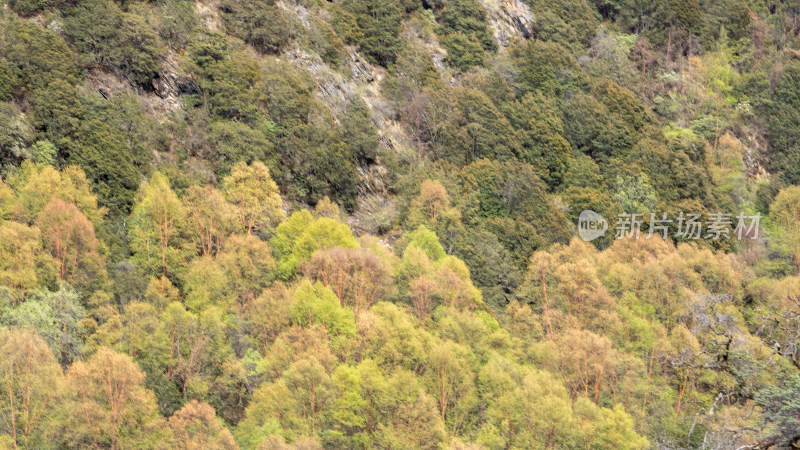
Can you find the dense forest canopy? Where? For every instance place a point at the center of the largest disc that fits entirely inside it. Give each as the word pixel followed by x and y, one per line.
pixel 355 224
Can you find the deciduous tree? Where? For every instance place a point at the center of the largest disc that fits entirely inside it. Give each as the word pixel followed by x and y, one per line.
pixel 30 384
pixel 195 427
pixel 251 190
pixel 157 220
pixel 357 276
pixel 785 212
pixel 209 219
pixel 108 406
pixel 69 237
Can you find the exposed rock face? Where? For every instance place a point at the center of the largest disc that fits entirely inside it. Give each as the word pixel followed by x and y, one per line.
pixel 337 88
pixel 509 19
pixel 161 96
pixel 172 82
pixel 361 70
pixel 208 13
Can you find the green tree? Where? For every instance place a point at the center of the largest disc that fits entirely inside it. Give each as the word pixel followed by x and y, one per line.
pixel 29 7
pixel 297 238
pixel 431 206
pixel 426 240
pixel 379 24
pixel 30 385
pixel 39 55
pixel 200 361
pixel 156 223
pixel 546 67
pixel 137 332
pixel 783 123
pixel 310 385
pixel 254 195
pixel 541 133
pixel 452 383
pixel 785 213
pixel 210 219
pixel 475 130
pixel 463 51
pixel 233 141
pixel 195 426
pixel 108 406
pixel 249 265
pixel 635 195
pixel 174 22
pixel 116 39
pixel 616 429
pixel 57 317
pixel 104 154
pixel 349 409
pixel 469 18
pixel 8 202
pixel 315 303
pixel 36 186
pixel 69 237
pixel 318 164
pixel 359 133
pixel 206 283
pixel 413 71
pixel 20 253
pixel 273 411
pixel 780 403
pixel 16 135
pixel 357 276
pixel 260 23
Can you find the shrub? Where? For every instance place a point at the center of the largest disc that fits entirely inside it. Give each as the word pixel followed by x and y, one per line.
pixel 118 40
pixel 468 17
pixel 28 7
pixel 374 25
pixel 259 22
pixel 463 51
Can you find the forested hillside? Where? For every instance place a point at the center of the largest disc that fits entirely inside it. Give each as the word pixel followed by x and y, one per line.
pixel 270 224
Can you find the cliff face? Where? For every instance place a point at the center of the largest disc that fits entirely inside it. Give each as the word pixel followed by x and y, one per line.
pixel 509 19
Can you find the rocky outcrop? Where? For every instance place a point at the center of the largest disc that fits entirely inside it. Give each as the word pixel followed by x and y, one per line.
pixel 162 95
pixel 172 82
pixel 510 20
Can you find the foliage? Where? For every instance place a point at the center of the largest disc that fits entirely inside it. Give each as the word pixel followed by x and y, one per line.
pixel 465 33
pixel 118 40
pixel 779 402
pixel 187 194
pixel 106 391
pixel 254 195
pixel 30 380
pixel 463 51
pixel 541 134
pixel 783 123
pixel 196 426
pixel 156 221
pixel 359 133
pixel 785 211
pixel 377 26
pixel 259 22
